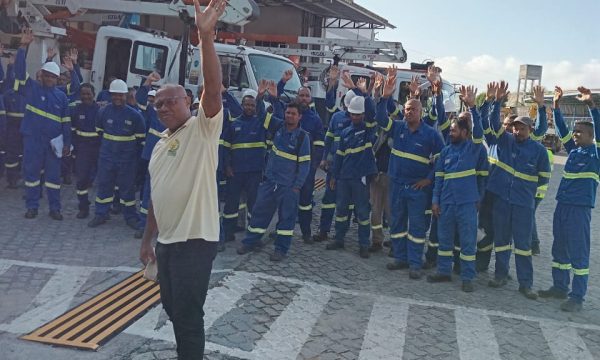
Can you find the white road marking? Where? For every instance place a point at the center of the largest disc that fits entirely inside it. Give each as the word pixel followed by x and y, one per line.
pixel 385 335
pixel 565 343
pixel 475 336
pixel 292 328
pixel 53 300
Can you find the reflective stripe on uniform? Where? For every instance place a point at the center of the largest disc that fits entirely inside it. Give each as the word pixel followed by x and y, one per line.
pixel 15 114
pixel 86 133
pixel 503 248
pixel 256 230
pixel 289 156
pixel 364 223
pixel 82 192
pixel 305 208
pixel 252 145
pixel 467 257
pixel 47 115
pixel 486 248
pixel 285 232
pixel 581 272
pixel 50 185
pixel 143 211
pixel 154 132
pixel 327 206
pixel 399 235
pixel 581 175
pixel 515 173
pixel 118 137
pixel 565 139
pixel 341 218
pixel 104 201
pixel 561 266
pixel 268 120
pixel 11 165
pixel 230 216
pixel 127 203
pixel 410 156
pixel 32 183
pixel 459 174
pixel 445 253
pixel 416 240
pixel 354 150
pixel 376 227
pixel 319 143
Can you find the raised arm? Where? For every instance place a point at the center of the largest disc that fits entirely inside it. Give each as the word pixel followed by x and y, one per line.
pixel 585 95
pixel 382 116
pixel 501 91
pixel 206 20
pixel 468 94
pixel 541 122
pixel 21 77
pixel 566 136
pixel 330 96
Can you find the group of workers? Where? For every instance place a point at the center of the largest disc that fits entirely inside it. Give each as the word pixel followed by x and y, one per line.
pixel 413 166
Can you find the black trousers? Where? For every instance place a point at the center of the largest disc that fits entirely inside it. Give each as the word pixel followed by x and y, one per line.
pixel 184 272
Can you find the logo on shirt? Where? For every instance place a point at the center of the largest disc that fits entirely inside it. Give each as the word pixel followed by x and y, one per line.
pixel 128 122
pixel 109 121
pixel 173 147
pixel 82 117
pixel 43 98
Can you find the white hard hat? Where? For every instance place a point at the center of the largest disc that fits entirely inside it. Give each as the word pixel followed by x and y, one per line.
pixel 52 68
pixel 152 93
pixel 349 96
pixel 118 87
pixel 250 92
pixel 450 106
pixel 357 105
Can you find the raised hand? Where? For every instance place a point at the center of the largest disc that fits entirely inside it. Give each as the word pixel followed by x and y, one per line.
pixel 558 94
pixel 436 87
pixel 272 88
pixel 468 95
pixel 502 90
pixel 207 19
pixel 361 84
pixel 347 80
pixel 74 55
pixel 262 87
pixel 26 37
pixel 538 95
pixel 585 96
pixel 389 86
pixel 433 73
pixel 490 94
pixel 378 83
pixel 392 71
pixel 50 53
pixel 415 92
pixel 287 75
pixel 68 62
pixel 334 73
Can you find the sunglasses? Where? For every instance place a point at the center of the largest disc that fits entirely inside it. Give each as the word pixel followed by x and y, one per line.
pixel 170 101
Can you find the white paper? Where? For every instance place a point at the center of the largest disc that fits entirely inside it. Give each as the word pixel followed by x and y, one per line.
pixel 57 145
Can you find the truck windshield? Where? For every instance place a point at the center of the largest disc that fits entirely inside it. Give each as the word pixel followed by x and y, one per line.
pixel 271 68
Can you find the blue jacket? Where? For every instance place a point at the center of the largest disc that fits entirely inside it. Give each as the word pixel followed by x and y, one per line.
pixel 434 115
pixel 2 123
pixel 153 125
pixel 412 152
pixel 233 107
pixel 245 139
pixel 285 167
pixel 47 109
pixel 339 121
pixel 312 124
pixel 581 174
pixel 84 122
pixel 122 131
pixel 354 157
pixel 520 168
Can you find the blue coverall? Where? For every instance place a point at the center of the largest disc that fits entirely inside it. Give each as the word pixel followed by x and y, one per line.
pixel 245 152
pixel 460 173
pixel 286 172
pixel 354 164
pixel 87 145
pixel 123 130
pixel 520 168
pixel 410 162
pixel 575 198
pixel 46 117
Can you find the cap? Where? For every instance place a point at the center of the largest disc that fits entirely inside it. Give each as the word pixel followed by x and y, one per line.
pixel 152 93
pixel 118 87
pixel 524 120
pixel 357 105
pixel 348 97
pixel 52 68
pixel 249 92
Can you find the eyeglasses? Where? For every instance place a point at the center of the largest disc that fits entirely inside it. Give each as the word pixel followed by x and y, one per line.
pixel 170 101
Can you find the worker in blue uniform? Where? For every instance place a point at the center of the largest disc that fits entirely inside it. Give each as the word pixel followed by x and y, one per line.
pixel 287 169
pixel 313 125
pixel 415 144
pixel 14 104
pixel 123 131
pixel 575 198
pixel 46 118
pixel 521 167
pixel 145 99
pixel 460 173
pixel 86 144
pixel 353 167
pixel 339 121
pixel 486 244
pixel 2 124
pixel 244 156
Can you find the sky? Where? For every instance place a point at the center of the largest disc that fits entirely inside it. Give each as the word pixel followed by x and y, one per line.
pixel 477 41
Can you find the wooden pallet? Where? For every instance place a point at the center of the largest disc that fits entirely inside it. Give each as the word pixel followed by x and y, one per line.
pixel 94 322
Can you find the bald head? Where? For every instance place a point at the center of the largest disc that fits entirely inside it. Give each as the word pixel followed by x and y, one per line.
pixel 413 110
pixel 173 106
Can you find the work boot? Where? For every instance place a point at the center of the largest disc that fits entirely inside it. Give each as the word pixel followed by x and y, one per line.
pixel 84 213
pixel 437 278
pixel 308 239
pixel 571 306
pixel 375 248
pixel 497 283
pixel 415 274
pixel 467 286
pixel 97 221
pixel 320 237
pixel 334 246
pixel 535 249
pixel 277 256
pixel 528 293
pixel 139 233
pixel 244 249
pixel 552 293
pixel 133 223
pixel 397 265
pixel 31 213
pixel 55 215
pixel 364 252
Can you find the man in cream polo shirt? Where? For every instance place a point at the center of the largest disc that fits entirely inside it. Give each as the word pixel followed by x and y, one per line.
pixel 183 212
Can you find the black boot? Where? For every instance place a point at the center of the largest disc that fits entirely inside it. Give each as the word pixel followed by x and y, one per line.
pixel 437 277
pixel 31 213
pixel 56 215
